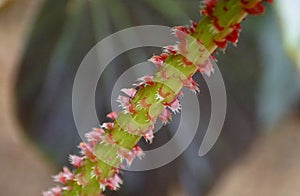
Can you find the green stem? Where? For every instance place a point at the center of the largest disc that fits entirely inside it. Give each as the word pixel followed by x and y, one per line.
pixel 219 24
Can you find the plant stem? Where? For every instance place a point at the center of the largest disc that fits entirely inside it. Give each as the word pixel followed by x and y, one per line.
pixel 154 97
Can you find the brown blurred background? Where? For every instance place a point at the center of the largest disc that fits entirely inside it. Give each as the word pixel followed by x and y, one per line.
pixel 24 171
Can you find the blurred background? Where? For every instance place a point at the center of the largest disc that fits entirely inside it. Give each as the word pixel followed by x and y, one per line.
pixel 42 43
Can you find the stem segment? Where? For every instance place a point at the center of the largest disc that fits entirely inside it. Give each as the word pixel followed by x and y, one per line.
pixel 153 98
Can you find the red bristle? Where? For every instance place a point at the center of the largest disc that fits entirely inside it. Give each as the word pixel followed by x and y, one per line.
pixel 256 10
pixel 186 62
pixel 221 44
pixel 209 8
pixel 217 25
pixel 244 2
pixel 233 36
